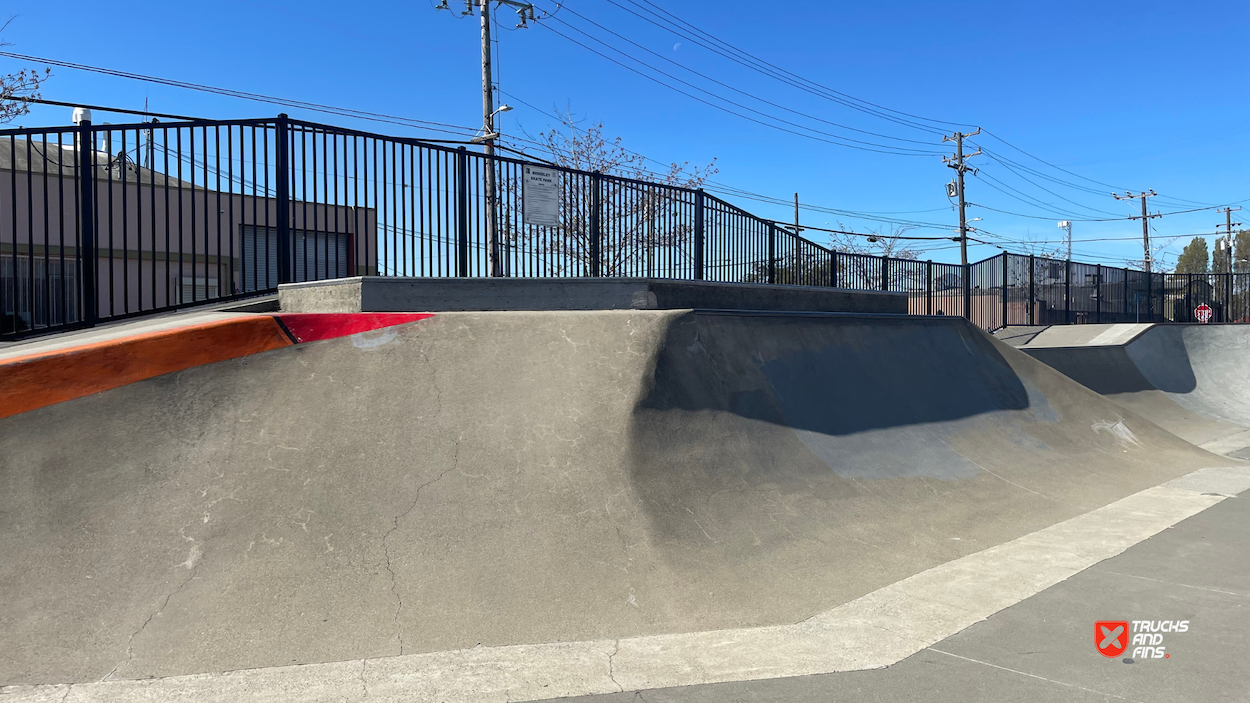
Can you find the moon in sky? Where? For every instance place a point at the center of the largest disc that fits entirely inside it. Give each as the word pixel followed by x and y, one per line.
pixel 676 46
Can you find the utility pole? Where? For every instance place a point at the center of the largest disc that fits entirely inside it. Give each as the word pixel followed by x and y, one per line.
pixel 1145 221
pixel 796 214
pixel 957 163
pixel 1066 226
pixel 488 136
pixel 1228 232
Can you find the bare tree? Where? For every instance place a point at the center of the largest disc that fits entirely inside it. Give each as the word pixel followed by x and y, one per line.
pixel 645 217
pixel 16 86
pixel 862 269
pixel 859 260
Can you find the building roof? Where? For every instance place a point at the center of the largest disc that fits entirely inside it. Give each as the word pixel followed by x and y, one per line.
pixel 38 157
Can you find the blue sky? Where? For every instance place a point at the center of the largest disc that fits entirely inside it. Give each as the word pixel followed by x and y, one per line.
pixel 1148 95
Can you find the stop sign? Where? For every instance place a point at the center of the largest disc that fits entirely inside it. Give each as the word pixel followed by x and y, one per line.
pixel 1203 313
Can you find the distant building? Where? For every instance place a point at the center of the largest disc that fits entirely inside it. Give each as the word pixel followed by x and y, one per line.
pixel 161 240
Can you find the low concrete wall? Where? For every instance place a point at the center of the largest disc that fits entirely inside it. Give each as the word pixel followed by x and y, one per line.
pixel 386 294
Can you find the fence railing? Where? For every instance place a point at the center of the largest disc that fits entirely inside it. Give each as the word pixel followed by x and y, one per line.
pixel 103 222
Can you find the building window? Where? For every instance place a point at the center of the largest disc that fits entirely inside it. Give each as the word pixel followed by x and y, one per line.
pixel 316 256
pixel 51 298
pixel 197 289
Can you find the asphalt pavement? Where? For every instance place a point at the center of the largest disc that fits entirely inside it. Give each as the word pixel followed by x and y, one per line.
pixel 1042 650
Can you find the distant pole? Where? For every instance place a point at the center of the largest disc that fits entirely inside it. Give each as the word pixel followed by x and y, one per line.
pixel 1066 226
pixel 957 163
pixel 796 214
pixel 1228 232
pixel 1145 221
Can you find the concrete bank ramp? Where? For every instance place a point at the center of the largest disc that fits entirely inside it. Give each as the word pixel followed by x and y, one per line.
pixel 1193 380
pixel 499 478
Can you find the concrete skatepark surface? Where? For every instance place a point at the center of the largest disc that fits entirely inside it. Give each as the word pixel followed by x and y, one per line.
pixel 511 478
pixel 1192 380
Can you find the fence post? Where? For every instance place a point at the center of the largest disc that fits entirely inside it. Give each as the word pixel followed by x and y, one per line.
pixel 967 274
pixel 772 253
pixel 1067 292
pixel 928 289
pixel 282 150
pixel 462 212
pixel 1005 262
pixel 1125 294
pixel 596 224
pixel 1098 291
pixel 1150 298
pixel 87 254
pixel 833 268
pixel 698 234
pixel 1228 295
pixel 885 272
pixel 1032 291
pixel 1189 297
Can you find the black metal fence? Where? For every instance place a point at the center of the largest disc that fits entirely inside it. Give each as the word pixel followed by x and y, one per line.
pixel 103 222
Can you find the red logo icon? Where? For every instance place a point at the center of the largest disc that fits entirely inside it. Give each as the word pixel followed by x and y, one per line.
pixel 1203 313
pixel 1111 637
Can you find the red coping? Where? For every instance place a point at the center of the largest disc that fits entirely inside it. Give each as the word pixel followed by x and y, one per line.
pixel 311 327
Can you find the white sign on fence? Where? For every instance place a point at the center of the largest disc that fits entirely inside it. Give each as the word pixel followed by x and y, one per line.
pixel 540 196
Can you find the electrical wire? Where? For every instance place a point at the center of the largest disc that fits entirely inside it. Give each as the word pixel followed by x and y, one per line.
pixel 1103 219
pixel 677 26
pixel 257 97
pixel 835 140
pixel 731 87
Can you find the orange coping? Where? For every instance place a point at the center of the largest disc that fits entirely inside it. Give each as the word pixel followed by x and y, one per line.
pixel 45 378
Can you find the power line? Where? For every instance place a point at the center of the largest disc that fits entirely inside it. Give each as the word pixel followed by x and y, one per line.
pixel 1022 196
pixel 678 27
pixel 1051 192
pixel 731 87
pixel 257 97
pixel 835 140
pixel 1057 168
pixel 1102 219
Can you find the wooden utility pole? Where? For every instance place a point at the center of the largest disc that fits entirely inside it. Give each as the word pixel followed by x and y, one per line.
pixel 1145 221
pixel 488 141
pixel 488 136
pixel 957 162
pixel 1228 232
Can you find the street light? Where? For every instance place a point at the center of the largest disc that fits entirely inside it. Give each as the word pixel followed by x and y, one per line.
pixel 494 133
pixel 1066 226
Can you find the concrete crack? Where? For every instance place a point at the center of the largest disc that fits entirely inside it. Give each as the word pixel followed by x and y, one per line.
pixel 438 411
pixel 364 685
pixel 455 465
pixel 386 550
pixel 612 664
pixel 130 650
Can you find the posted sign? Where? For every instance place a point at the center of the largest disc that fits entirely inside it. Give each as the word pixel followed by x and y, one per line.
pixel 540 196
pixel 1203 313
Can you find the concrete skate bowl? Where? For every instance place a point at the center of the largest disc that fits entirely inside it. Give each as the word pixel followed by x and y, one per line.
pixel 1189 379
pixel 500 478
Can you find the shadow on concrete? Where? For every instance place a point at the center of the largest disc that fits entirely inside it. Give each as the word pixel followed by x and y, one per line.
pixel 1163 359
pixel 1105 370
pixel 833 375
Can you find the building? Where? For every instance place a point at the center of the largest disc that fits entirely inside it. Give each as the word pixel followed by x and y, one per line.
pixel 180 231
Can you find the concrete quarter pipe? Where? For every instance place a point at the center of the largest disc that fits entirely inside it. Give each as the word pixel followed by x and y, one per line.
pixel 492 479
pixel 1192 380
